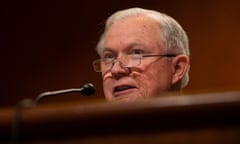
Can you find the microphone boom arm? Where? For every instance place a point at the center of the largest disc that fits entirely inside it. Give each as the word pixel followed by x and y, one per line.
pixel 87 89
pixel 52 93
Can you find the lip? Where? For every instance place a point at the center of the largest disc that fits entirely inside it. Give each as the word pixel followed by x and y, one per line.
pixel 124 89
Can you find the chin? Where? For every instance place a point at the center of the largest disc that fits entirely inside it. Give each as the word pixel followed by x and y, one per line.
pixel 126 98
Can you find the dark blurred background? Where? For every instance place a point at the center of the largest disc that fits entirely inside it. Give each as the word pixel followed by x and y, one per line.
pixel 49 45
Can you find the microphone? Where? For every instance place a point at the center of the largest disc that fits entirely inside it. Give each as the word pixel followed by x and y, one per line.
pixel 87 89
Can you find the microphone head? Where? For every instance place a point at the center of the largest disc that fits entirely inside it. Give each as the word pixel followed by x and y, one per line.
pixel 88 89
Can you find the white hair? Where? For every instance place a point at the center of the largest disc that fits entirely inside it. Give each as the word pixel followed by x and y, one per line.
pixel 174 37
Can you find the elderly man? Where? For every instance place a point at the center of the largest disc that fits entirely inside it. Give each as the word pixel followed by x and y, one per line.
pixel 144 54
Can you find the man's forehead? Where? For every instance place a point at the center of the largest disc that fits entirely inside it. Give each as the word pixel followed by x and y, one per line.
pixel 140 19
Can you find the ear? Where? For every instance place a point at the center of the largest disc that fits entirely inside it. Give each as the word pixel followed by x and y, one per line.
pixel 181 64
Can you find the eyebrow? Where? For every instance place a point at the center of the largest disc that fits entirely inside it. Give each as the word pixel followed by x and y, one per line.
pixel 107 49
pixel 129 46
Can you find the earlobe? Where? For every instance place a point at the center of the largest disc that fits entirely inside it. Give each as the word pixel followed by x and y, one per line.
pixel 181 65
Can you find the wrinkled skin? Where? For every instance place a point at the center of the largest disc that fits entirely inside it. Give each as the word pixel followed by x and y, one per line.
pixel 154 75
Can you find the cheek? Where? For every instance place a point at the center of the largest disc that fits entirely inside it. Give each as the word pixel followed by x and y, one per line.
pixel 156 71
pixel 107 90
pixel 162 76
pixel 107 82
pixel 107 85
pixel 153 79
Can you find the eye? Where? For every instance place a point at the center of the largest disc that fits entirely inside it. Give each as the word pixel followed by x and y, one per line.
pixel 136 52
pixel 108 56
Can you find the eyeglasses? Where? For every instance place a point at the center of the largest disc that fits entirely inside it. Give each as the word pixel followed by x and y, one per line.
pixel 127 61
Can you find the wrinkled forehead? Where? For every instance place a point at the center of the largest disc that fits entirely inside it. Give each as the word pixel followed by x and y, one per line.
pixel 138 29
pixel 139 22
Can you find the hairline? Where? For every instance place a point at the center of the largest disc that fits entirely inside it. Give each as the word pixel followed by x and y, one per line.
pixel 173 36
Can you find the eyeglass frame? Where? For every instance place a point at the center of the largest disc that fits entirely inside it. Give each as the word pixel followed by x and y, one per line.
pixel 123 65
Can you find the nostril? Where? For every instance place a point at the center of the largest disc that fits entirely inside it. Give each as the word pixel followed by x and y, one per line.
pixel 118 71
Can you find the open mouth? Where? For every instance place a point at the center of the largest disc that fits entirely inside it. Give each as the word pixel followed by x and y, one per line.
pixel 122 88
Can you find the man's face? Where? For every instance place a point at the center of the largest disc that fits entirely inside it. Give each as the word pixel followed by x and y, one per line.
pixel 152 76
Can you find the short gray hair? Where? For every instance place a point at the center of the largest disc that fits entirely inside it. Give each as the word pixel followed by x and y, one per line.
pixel 174 37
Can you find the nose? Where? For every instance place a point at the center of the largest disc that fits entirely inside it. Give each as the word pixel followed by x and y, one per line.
pixel 119 70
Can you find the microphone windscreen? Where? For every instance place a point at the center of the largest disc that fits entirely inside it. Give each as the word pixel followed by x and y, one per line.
pixel 88 89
